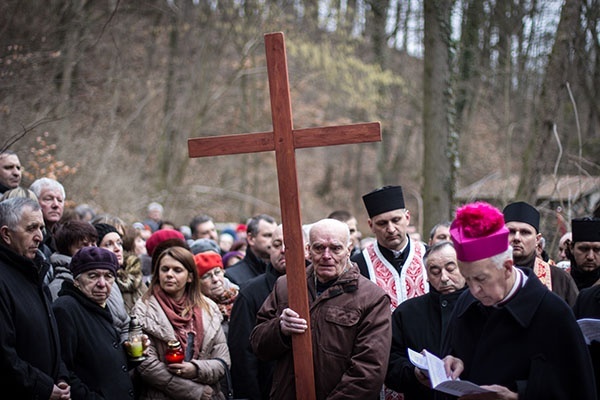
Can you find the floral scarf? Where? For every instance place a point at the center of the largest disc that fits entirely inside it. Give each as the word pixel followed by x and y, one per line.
pixel 225 302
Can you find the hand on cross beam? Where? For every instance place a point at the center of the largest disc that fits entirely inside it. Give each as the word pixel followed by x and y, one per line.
pixel 290 322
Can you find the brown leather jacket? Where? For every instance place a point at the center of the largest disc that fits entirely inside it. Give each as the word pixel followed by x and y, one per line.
pixel 351 338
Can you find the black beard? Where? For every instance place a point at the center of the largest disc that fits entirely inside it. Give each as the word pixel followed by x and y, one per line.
pixel 525 261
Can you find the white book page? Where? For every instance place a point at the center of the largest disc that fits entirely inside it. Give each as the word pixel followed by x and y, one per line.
pixel 590 327
pixel 417 359
pixel 441 382
pixel 460 388
pixel 437 373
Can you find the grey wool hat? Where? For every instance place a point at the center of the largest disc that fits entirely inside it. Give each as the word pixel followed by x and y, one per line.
pixel 202 245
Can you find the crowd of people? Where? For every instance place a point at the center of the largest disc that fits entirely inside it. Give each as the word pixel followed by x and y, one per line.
pixel 481 294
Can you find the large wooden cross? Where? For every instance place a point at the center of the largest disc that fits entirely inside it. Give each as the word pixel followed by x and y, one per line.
pixel 284 140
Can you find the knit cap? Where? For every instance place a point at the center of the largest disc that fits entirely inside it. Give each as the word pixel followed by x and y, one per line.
pixel 202 245
pixel 90 257
pixel 160 236
pixel 206 261
pixel 103 230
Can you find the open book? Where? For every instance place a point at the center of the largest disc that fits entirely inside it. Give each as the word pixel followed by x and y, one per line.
pixel 434 367
pixel 590 327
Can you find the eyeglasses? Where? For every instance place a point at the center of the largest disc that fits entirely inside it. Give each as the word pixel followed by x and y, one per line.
pixel 217 272
pixel 336 249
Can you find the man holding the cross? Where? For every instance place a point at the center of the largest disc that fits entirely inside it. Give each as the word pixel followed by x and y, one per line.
pixel 350 319
pixel 284 140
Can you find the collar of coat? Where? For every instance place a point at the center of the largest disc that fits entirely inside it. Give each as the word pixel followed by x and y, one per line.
pixel 347 282
pixel 522 307
pixel 34 270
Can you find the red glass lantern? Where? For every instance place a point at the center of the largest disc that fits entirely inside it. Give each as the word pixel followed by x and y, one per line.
pixel 174 353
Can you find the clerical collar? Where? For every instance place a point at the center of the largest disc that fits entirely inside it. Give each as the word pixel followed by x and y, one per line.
pixel 398 253
pixel 520 280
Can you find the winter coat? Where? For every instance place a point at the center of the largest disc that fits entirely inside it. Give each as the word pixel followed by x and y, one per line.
pixel 418 323
pixel 130 281
pixel 30 361
pixel 91 348
pixel 247 268
pixel 251 377
pixel 115 302
pixel 532 345
pixel 351 337
pixel 588 306
pixel 62 272
pixel 160 383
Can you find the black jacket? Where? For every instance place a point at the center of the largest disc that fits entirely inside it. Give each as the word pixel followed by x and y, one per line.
pixel 251 377
pixel 30 361
pixel 91 347
pixel 588 306
pixel 418 323
pixel 247 268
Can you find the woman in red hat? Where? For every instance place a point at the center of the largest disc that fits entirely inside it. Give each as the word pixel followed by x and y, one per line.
pixel 215 285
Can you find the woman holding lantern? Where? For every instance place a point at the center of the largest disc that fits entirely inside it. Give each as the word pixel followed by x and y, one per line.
pixel 172 312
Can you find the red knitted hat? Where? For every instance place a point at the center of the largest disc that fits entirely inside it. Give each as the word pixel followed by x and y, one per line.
pixel 206 261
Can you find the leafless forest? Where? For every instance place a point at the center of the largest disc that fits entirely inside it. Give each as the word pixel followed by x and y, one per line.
pixel 105 94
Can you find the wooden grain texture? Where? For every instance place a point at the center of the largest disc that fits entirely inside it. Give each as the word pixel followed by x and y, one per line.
pixel 284 140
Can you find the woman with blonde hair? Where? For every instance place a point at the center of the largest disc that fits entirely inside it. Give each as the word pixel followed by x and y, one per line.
pixel 174 309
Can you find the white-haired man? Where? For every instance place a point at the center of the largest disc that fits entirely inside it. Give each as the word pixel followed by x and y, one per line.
pixel 509 333
pixel 30 363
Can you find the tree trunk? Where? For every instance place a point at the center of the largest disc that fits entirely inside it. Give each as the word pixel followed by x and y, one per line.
pixel 376 23
pixel 551 98
pixel 167 141
pixel 438 178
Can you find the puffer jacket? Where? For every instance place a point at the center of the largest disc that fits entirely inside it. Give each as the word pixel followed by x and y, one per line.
pixel 159 382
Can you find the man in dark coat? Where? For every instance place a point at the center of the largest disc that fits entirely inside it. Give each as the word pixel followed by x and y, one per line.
pixel 509 333
pixel 30 360
pixel 258 235
pixel 588 306
pixel 252 377
pixel 421 322
pixel 588 301
pixel 523 224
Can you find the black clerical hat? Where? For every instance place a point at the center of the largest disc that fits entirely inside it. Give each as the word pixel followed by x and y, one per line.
pixel 586 229
pixel 384 199
pixel 522 212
